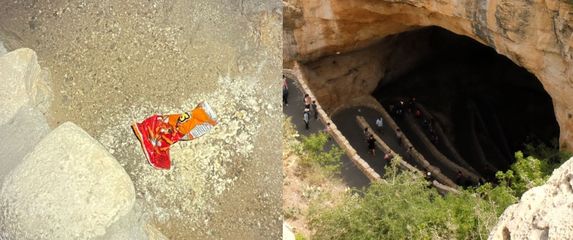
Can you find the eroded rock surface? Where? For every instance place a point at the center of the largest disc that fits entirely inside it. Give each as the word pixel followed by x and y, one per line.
pixel 19 136
pixel 543 212
pixel 68 187
pixel 25 97
pixel 22 82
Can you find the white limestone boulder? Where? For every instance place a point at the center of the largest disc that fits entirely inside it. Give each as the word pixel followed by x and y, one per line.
pixel 2 49
pixel 544 212
pixel 68 187
pixel 19 136
pixel 22 82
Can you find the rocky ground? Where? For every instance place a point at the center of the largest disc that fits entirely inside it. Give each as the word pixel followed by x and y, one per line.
pixel 114 63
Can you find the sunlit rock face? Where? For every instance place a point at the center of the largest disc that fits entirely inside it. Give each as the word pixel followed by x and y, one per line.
pixel 543 212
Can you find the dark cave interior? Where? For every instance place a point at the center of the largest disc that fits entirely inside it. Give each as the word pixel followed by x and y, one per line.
pixel 487 106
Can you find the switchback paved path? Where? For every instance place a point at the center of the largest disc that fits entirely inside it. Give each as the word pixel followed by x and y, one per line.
pixel 346 122
pixel 350 173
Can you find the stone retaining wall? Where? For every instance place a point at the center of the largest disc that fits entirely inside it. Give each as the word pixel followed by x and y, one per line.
pixel 404 141
pixel 443 183
pixel 297 74
pixel 403 164
pixel 438 156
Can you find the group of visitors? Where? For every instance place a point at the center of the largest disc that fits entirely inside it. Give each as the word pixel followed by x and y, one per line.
pixel 402 106
pixel 411 107
pixel 310 107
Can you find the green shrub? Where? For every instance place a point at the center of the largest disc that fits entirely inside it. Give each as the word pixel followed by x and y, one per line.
pixel 405 207
pixel 525 173
pixel 299 236
pixel 313 150
pixel 533 170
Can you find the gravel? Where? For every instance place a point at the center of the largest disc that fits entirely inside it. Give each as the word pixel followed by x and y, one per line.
pixel 115 62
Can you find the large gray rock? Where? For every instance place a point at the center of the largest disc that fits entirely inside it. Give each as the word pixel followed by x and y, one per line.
pixel 544 212
pixel 133 225
pixel 68 187
pixel 22 82
pixel 19 136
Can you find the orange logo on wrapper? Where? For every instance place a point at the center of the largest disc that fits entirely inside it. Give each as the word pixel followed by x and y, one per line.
pixel 158 132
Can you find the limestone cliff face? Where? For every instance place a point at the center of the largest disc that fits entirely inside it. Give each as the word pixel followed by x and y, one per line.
pixel 535 34
pixel 543 212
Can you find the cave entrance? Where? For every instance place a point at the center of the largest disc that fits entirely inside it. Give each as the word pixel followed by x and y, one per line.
pixel 486 106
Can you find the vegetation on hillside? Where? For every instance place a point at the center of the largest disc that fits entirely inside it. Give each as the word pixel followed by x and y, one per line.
pixel 312 169
pixel 404 206
pixel 314 151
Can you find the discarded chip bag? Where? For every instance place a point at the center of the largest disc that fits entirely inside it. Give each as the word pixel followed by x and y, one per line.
pixel 158 132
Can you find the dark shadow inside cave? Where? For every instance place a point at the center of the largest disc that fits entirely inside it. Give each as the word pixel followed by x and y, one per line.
pixel 486 106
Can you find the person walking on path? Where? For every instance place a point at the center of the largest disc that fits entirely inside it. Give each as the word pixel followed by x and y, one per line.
pixel 460 178
pixel 412 104
pixel 327 128
pixel 327 131
pixel 388 156
pixel 285 91
pixel 429 176
pixel 306 101
pixel 380 124
pixel 366 133
pixel 372 145
pixel 306 118
pixel 315 110
pixel 399 136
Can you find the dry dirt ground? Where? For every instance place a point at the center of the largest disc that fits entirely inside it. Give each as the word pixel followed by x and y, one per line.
pixel 114 62
pixel 303 188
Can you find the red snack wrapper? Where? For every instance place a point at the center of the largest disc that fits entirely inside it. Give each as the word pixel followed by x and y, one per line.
pixel 158 132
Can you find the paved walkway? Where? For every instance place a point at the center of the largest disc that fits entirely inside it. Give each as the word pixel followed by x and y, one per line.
pixel 347 124
pixel 352 176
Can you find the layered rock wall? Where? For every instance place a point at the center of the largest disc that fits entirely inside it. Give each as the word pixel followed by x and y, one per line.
pixel 535 34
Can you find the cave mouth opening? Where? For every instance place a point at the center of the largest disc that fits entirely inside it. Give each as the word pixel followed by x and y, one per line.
pixel 487 106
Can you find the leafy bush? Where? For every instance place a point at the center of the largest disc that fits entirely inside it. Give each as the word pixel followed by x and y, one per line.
pixel 313 150
pixel 405 207
pixel 533 170
pixel 548 153
pixel 299 236
pixel 525 173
